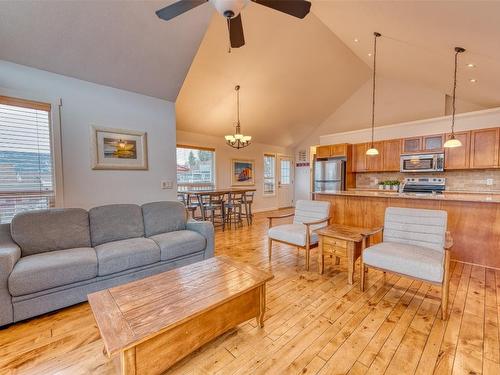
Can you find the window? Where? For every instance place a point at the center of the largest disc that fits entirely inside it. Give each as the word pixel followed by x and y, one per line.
pixel 285 171
pixel 269 174
pixel 26 167
pixel 195 167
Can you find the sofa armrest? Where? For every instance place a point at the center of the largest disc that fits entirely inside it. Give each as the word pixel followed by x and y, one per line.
pixel 206 229
pixel 9 255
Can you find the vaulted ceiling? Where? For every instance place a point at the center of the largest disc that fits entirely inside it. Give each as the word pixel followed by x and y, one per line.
pixel 121 44
pixel 293 73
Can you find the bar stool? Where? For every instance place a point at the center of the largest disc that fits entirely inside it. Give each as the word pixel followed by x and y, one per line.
pixel 247 205
pixel 212 208
pixel 234 209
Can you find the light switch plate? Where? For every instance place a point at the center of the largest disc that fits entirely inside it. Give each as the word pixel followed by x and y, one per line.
pixel 167 184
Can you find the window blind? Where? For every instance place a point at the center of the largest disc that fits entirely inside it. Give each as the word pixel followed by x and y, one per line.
pixel 26 168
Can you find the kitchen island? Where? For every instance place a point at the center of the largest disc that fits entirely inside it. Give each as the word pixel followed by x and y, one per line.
pixel 473 218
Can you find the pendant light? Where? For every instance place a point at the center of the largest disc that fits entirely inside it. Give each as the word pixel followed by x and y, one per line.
pixel 453 142
pixel 238 140
pixel 372 151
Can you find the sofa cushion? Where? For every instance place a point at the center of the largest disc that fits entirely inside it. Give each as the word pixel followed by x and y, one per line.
pixel 179 243
pixel 412 260
pixel 43 271
pixel 115 222
pixel 163 217
pixel 292 233
pixel 48 230
pixel 122 255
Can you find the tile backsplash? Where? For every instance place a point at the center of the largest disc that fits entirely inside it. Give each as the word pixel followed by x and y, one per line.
pixel 466 180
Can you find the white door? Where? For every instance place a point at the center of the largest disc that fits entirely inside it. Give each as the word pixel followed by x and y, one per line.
pixel 285 181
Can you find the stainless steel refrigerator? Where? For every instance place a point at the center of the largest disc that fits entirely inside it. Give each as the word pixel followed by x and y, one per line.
pixel 329 174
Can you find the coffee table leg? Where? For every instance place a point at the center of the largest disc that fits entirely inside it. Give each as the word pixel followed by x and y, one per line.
pixel 262 306
pixel 350 262
pixel 128 362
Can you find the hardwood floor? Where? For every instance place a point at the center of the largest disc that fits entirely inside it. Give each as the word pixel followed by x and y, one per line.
pixel 314 324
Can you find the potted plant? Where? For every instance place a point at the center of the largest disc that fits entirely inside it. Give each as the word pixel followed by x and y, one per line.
pixel 395 185
pixel 381 185
pixel 387 185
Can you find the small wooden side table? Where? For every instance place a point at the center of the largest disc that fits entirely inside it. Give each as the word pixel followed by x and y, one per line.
pixel 343 240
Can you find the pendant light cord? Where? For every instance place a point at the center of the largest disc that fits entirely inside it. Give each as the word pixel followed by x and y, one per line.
pixel 374 86
pixel 454 95
pixel 237 88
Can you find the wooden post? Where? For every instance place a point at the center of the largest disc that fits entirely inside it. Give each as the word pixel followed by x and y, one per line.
pixel 321 257
pixel 262 306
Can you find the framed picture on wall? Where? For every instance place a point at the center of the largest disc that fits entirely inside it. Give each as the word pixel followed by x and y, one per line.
pixel 118 149
pixel 242 172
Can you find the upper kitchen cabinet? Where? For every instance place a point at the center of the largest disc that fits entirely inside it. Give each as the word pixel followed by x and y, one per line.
pixel 484 148
pixel 433 143
pixel 340 150
pixel 428 143
pixel 458 157
pixel 359 157
pixel 375 163
pixel 391 155
pixel 412 145
pixel 323 152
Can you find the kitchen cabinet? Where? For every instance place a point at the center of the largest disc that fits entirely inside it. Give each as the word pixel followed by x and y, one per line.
pixel 433 143
pixel 458 157
pixel 484 148
pixel 412 145
pixel 359 157
pixel 339 150
pixel 323 152
pixel 391 155
pixel 375 163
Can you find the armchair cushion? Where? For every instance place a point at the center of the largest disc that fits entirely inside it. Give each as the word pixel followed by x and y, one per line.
pixel 292 233
pixel 309 211
pixel 412 260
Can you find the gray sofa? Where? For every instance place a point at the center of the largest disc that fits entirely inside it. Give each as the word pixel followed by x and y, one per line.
pixel 51 259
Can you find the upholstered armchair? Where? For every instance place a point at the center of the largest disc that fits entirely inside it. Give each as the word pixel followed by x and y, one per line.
pixel 416 245
pixel 308 216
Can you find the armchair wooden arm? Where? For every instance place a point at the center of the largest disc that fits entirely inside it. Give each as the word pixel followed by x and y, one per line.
pixel 316 222
pixel 270 218
pixel 448 243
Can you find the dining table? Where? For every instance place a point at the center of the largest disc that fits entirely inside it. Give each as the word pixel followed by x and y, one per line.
pixel 202 193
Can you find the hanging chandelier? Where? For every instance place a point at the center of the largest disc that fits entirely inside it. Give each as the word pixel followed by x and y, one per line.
pixel 454 142
pixel 372 151
pixel 238 140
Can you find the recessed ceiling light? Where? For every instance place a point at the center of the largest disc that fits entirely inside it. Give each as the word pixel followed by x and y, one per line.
pixel 472 80
pixel 471 65
pixel 356 40
pixel 370 55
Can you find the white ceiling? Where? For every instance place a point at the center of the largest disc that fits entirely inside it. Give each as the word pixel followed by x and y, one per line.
pixel 120 44
pixel 293 74
pixel 419 39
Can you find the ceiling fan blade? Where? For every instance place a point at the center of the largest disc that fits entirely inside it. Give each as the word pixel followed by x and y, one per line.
pixel 296 8
pixel 236 32
pixel 176 9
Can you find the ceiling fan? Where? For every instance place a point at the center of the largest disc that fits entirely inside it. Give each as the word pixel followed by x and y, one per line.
pixel 231 9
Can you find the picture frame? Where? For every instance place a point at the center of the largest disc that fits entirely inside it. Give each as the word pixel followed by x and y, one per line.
pixel 118 149
pixel 242 172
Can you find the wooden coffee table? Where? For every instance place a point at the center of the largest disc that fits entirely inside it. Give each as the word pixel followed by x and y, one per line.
pixel 337 239
pixel 154 322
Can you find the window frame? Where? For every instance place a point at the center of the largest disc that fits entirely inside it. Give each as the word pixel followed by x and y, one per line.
pixel 275 156
pixel 214 165
pixel 53 107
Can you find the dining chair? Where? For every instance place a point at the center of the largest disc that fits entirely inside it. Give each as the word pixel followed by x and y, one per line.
pixel 308 216
pixel 234 209
pixel 212 208
pixel 415 244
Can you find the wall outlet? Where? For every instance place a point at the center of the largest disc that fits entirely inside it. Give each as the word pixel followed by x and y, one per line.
pixel 489 181
pixel 167 185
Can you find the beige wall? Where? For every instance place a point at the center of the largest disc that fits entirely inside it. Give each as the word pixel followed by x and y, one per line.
pixel 223 156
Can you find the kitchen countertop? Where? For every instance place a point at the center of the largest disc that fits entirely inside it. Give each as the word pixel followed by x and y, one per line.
pixel 447 196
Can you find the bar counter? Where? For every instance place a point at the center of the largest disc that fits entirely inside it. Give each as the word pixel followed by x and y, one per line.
pixel 473 218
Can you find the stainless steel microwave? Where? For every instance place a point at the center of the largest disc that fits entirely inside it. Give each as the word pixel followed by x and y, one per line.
pixel 422 163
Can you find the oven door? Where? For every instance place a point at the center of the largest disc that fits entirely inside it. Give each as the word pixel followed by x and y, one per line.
pixel 420 163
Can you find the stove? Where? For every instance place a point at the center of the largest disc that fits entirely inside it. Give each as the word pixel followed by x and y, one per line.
pixel 430 185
